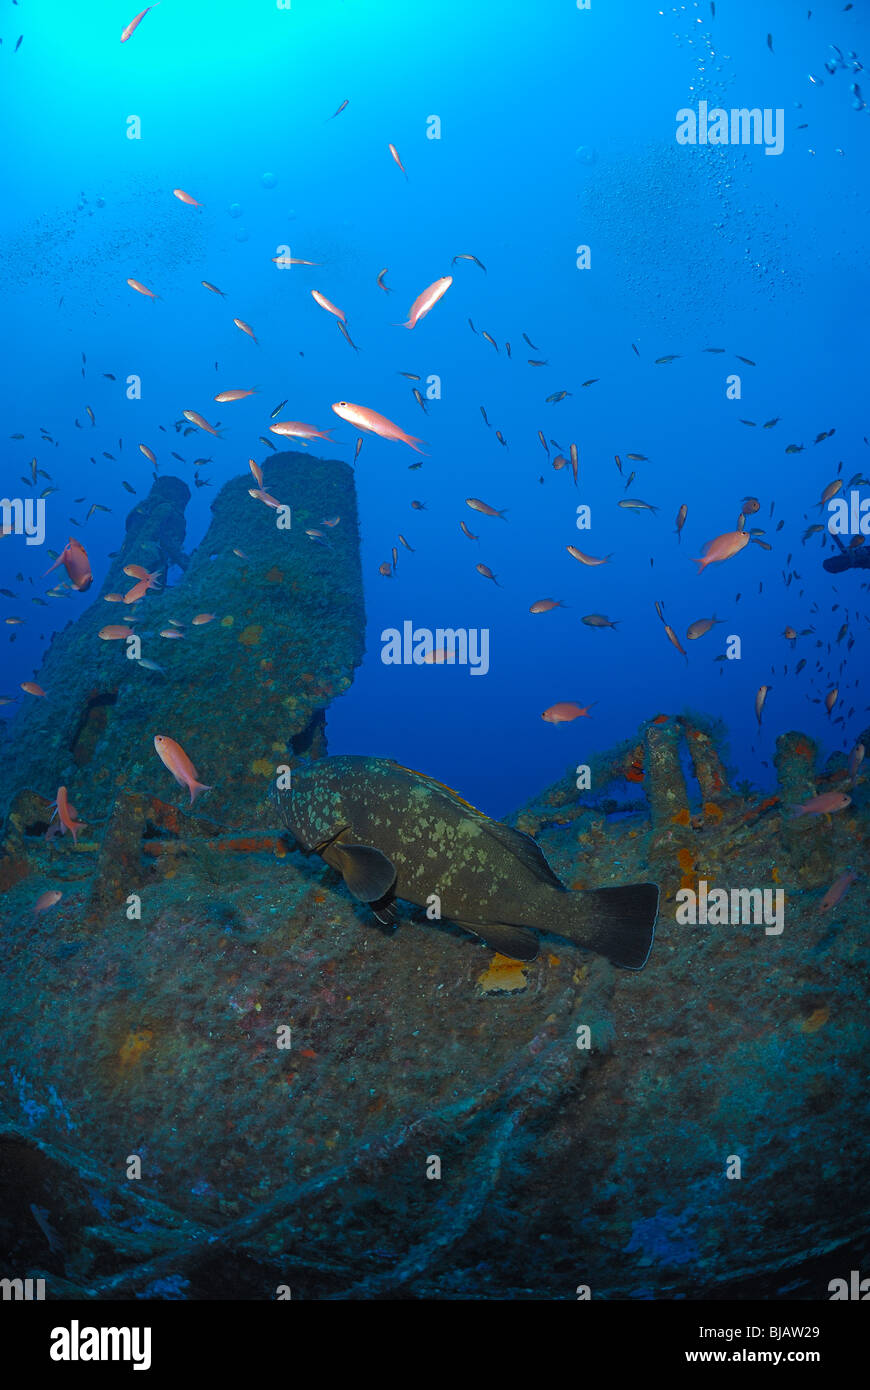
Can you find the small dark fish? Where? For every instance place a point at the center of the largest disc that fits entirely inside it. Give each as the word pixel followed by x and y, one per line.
pixel 712 349
pixel 386 288
pixel 485 421
pixel 557 396
pixel 128 487
pixel 530 343
pixel 419 399
pixel 634 349
pixel 500 437
pixel 471 326
pixel 770 42
pixel 264 440
pixel 489 338
pixel 18 45
pixel 544 445
pixel 109 376
pixel 40 1216
pixel 749 422
pixel 414 465
pixel 463 256
pixel 359 444
pixel 346 335
pixel 277 410
pixel 109 456
pixel 794 448
pixel 412 376
pixel 661 361
pixel 340 109
pixel 748 360
pixel 637 458
pixel 591 381
pixel 507 348
pixel 769 424
pixel 537 362
pixel 178 456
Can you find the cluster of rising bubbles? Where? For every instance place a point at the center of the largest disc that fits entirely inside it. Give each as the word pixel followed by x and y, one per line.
pixel 585 154
pixel 269 180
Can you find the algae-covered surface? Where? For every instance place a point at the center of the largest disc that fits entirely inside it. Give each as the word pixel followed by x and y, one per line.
pixel 225 1076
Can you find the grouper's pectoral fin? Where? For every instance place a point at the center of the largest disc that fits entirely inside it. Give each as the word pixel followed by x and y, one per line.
pixel 515 942
pixel 369 875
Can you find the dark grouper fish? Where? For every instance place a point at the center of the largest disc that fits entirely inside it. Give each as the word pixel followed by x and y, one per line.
pixel 395 833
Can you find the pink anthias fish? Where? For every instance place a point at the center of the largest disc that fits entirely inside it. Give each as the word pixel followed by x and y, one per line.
pixel 722 548
pixel 47 900
pixel 297 429
pixel 856 758
pixel 66 815
pixel 173 756
pixel 75 561
pixel 427 300
pixel 365 419
pixel 565 711
pixel 838 890
pixel 134 23
pixel 825 805
pixel 266 497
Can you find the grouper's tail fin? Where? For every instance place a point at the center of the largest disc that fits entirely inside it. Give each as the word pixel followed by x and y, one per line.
pixel 618 923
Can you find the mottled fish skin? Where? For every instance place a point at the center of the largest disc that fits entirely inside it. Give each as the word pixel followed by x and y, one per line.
pixel 484 872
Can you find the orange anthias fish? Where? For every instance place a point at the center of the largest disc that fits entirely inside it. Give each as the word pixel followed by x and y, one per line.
pixel 223 397
pixel 186 198
pixel 139 572
pixel 173 756
pixel 327 305
pixel 365 419
pixel 134 23
pixel 427 300
pixel 66 814
pixel 31 688
pixel 142 289
pixel 297 429
pixel 246 328
pixel 115 632
pixel 564 712
pixel 722 548
pixel 75 561
pixel 202 618
pixel 257 471
pixel 140 589
pixel 149 454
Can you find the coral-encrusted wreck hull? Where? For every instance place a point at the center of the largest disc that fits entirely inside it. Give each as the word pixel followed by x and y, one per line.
pixel 314 1165
pixel 240 691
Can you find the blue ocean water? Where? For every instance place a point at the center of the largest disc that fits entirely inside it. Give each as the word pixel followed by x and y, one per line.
pixel 527 132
